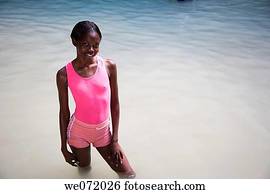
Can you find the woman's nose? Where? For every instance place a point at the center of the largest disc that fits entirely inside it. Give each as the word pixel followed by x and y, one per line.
pixel 91 48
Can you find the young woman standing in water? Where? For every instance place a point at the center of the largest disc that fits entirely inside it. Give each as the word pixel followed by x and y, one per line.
pixel 92 81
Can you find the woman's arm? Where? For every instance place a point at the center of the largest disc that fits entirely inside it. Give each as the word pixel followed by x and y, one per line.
pixel 115 107
pixel 64 113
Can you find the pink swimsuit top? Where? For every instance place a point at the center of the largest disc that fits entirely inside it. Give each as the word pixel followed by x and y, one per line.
pixel 91 94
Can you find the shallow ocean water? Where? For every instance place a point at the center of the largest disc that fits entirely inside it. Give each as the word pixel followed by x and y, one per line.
pixel 194 86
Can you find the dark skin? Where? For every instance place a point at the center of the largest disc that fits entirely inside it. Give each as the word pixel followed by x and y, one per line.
pixel 85 64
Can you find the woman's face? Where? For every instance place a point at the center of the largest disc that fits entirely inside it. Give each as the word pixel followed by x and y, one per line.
pixel 88 46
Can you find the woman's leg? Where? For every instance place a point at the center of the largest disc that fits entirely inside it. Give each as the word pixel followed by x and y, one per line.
pixel 83 155
pixel 123 169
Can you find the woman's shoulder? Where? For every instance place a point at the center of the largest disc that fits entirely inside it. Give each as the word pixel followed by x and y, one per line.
pixel 110 66
pixel 61 74
pixel 109 62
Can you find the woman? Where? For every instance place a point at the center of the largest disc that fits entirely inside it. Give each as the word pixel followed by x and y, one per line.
pixel 93 84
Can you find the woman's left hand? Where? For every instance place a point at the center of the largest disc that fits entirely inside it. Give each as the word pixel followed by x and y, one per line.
pixel 117 152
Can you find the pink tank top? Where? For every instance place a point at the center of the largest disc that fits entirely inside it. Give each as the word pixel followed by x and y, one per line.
pixel 91 94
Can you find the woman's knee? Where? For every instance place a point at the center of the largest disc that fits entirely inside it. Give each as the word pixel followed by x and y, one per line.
pixel 82 155
pixel 84 163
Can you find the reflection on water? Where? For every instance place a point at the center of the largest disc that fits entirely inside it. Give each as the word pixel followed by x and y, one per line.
pixel 192 72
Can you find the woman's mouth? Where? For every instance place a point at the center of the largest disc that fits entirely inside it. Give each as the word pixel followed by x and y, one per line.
pixel 90 54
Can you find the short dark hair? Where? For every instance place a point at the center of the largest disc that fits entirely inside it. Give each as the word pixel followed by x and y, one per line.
pixel 83 27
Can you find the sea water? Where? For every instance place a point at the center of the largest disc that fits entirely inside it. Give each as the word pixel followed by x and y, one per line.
pixel 193 77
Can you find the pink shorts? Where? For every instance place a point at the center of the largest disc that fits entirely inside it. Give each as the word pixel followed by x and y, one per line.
pixel 81 135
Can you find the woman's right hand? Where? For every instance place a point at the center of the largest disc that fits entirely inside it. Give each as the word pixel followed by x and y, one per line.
pixel 70 158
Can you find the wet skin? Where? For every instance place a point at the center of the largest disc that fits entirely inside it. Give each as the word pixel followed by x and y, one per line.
pixel 85 64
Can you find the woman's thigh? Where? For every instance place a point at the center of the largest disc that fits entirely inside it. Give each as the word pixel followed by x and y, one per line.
pixel 83 155
pixel 107 152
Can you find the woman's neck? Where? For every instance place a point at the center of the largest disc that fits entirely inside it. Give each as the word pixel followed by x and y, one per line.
pixel 81 63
